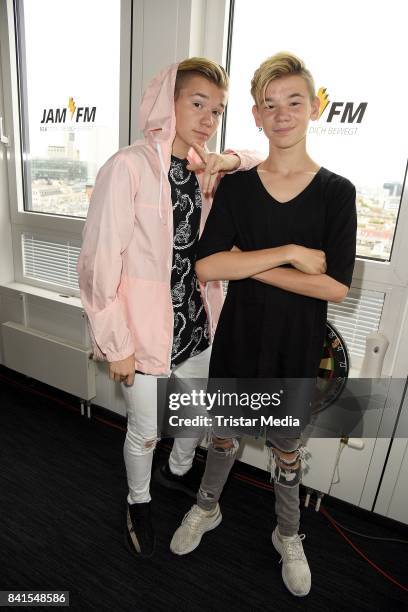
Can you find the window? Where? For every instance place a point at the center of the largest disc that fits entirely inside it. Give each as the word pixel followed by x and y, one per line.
pixel 66 71
pixel 68 68
pixel 360 132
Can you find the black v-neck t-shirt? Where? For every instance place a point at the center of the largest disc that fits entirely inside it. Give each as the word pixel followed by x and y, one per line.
pixel 265 331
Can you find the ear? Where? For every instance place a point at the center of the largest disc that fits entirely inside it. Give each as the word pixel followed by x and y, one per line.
pixel 257 116
pixel 315 108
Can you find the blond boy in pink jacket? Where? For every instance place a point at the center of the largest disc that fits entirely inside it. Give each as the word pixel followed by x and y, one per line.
pixel 148 314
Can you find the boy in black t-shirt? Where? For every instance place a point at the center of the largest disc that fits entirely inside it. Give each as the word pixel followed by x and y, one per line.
pixel 273 320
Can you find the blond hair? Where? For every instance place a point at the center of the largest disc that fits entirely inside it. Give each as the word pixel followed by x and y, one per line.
pixel 200 66
pixel 279 65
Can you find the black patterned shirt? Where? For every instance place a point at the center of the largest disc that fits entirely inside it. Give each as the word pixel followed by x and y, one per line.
pixel 191 334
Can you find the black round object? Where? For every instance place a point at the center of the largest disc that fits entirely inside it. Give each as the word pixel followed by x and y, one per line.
pixel 333 370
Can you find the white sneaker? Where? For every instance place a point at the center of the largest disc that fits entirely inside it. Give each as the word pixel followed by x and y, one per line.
pixel 194 525
pixel 295 568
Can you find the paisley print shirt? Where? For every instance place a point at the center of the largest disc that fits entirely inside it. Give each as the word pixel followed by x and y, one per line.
pixel 191 334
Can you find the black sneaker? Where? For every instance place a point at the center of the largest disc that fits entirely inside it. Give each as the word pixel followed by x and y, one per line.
pixel 189 483
pixel 139 534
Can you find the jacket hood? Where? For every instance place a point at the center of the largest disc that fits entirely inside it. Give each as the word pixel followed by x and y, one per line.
pixel 157 117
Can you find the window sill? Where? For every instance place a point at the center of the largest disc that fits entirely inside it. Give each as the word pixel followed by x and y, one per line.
pixel 47 294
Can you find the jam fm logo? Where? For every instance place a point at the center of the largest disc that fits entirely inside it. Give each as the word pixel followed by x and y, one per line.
pixel 348 112
pixel 84 114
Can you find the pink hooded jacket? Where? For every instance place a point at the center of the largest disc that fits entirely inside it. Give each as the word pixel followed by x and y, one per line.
pixel 125 262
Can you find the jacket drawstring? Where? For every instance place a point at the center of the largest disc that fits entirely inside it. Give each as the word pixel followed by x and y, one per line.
pixel 162 172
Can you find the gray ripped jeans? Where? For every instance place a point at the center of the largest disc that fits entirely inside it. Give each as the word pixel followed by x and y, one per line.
pixel 286 474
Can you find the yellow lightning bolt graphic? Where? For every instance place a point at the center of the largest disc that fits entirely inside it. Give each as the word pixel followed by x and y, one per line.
pixel 71 106
pixel 324 100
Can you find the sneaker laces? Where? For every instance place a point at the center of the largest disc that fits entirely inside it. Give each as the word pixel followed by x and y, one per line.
pixel 193 518
pixel 293 548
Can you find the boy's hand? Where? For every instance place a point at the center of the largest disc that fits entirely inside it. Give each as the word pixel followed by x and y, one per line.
pixel 123 370
pixel 212 164
pixel 309 261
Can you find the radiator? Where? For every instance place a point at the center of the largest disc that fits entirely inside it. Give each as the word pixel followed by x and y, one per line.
pixel 54 361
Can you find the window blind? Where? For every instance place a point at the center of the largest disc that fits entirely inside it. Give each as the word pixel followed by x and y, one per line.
pixel 49 260
pixel 356 317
